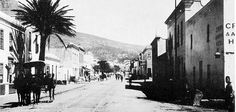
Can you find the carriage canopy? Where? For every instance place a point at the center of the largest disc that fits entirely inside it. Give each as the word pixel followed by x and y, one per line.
pixel 34 64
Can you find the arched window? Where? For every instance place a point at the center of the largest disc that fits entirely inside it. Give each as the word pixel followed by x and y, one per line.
pixel 1 39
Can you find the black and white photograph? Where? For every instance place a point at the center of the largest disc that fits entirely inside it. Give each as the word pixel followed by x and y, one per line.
pixel 117 55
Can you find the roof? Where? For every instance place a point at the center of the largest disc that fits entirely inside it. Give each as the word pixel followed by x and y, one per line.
pixel 11 21
pixel 155 40
pixel 75 46
pixel 52 57
pixel 147 48
pixel 180 8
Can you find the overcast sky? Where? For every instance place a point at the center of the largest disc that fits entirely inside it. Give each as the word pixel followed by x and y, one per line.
pixel 129 21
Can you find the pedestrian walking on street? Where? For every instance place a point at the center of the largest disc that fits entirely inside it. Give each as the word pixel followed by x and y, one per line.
pixel 121 78
pixel 229 95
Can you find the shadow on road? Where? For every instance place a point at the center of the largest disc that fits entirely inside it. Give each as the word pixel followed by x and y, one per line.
pixel 17 104
pixel 134 87
pixel 10 105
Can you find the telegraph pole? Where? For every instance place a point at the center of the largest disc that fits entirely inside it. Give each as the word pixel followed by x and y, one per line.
pixel 175 71
pixel 172 80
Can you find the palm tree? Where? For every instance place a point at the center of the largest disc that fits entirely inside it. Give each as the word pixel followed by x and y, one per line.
pixel 47 18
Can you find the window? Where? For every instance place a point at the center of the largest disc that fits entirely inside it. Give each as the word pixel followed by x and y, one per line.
pixel 181 33
pixel 191 41
pixel 10 37
pixel 208 33
pixel 194 77
pixel 182 67
pixel 56 73
pixel 208 74
pixel 178 36
pixel 36 44
pixel 1 72
pixel 9 70
pixel 29 41
pixel 170 43
pixel 52 70
pixel 178 68
pixel 1 39
pixel 200 74
pixel 10 42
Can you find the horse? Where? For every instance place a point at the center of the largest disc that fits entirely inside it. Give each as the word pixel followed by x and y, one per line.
pixel 50 85
pixel 19 85
pixel 28 87
pixel 36 88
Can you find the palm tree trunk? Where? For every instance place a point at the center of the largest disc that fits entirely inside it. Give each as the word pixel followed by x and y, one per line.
pixel 42 48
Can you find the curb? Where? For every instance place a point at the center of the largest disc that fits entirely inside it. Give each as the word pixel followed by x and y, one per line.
pixel 60 92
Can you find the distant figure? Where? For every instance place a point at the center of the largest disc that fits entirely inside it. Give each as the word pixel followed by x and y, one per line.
pixel 197 98
pixel 87 76
pixel 229 95
pixel 116 75
pixel 121 78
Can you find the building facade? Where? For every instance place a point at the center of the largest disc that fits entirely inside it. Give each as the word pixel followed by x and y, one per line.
pixel 10 31
pixel 157 51
pixel 204 37
pixel 147 57
pixel 33 49
pixel 195 37
pixel 71 61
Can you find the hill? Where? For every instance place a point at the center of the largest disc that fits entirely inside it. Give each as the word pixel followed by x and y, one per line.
pixel 102 48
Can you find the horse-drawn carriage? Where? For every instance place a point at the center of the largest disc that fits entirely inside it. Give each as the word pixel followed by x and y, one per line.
pixel 33 78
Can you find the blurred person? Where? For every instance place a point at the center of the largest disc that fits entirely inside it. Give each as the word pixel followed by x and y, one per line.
pixel 229 95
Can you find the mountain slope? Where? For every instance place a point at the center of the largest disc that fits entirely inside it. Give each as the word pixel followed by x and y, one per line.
pixel 102 48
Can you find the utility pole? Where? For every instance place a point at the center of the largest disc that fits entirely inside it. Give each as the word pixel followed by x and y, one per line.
pixel 175 68
pixel 173 74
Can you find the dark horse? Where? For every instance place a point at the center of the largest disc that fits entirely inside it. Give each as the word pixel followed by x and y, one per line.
pixel 50 85
pixel 36 86
pixel 22 83
pixel 19 85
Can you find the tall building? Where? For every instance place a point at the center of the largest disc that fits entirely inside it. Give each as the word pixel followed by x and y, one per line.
pixel 204 37
pixel 196 47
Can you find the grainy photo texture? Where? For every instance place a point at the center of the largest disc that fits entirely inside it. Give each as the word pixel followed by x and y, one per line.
pixel 117 55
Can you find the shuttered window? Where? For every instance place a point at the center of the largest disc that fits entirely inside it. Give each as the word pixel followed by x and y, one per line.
pixel 1 72
pixel 1 39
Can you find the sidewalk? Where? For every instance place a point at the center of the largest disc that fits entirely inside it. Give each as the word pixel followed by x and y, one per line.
pixel 206 106
pixel 58 90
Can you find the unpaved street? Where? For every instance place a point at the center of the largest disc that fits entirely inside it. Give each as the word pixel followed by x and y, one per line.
pixel 106 96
